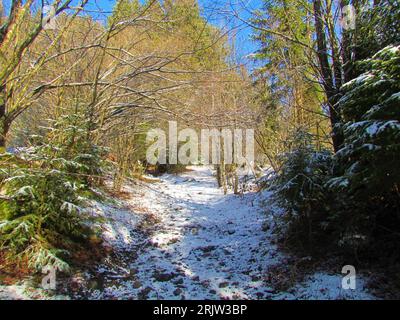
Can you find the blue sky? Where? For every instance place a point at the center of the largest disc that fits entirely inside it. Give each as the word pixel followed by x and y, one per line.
pixel 215 11
pixel 243 44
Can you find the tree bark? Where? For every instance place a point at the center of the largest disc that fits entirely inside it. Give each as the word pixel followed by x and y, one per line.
pixel 21 44
pixel 235 181
pixel 330 89
pixel 223 177
pixel 348 50
pixel 4 126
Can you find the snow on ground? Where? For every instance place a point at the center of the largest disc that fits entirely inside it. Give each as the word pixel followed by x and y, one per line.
pixel 15 292
pixel 322 286
pixel 26 291
pixel 206 246
pixel 209 245
pixel 182 238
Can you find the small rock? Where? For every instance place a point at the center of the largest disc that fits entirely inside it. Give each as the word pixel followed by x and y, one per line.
pixel 137 284
pixel 177 292
pixel 223 285
pixel 255 278
pixel 208 249
pixel 178 281
pixel 163 277
pixel 265 226
pixel 173 241
pixel 133 272
pixel 144 294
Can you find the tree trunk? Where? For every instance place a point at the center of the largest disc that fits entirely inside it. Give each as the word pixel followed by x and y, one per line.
pixel 235 182
pixel 223 178
pixel 4 126
pixel 348 48
pixel 330 89
pixel 3 133
pixel 219 176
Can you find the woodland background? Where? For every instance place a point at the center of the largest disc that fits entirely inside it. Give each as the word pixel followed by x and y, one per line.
pixel 77 101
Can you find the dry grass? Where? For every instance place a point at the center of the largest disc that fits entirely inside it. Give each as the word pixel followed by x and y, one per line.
pixel 148 180
pixel 289 272
pixel 11 273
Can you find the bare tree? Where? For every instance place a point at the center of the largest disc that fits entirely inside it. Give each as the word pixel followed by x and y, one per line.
pixel 18 32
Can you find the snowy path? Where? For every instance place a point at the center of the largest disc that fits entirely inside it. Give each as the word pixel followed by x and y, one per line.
pixel 211 244
pixel 182 238
pixel 204 245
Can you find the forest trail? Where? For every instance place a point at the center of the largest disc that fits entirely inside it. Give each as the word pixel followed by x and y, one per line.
pixel 179 238
pixel 205 244
pixel 182 238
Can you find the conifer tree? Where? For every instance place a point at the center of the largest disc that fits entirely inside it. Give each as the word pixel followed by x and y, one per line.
pixel 370 107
